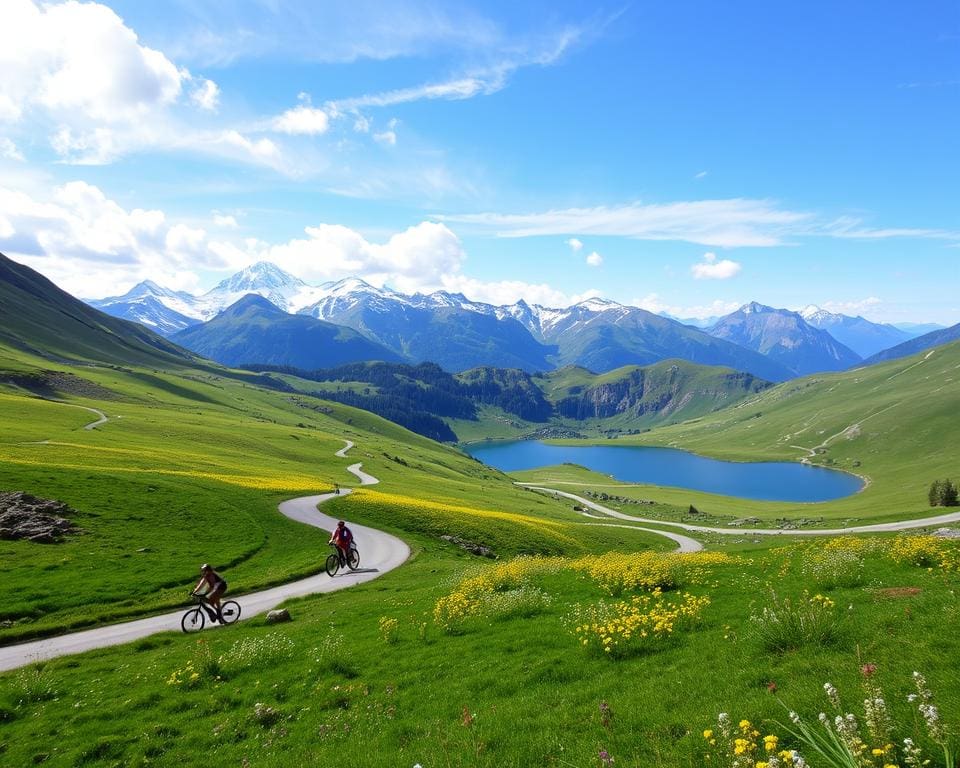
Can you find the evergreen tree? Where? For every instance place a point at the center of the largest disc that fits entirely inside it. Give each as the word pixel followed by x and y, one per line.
pixel 935 493
pixel 948 495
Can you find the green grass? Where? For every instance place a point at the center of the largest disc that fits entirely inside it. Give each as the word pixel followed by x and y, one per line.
pixel 529 695
pixel 190 468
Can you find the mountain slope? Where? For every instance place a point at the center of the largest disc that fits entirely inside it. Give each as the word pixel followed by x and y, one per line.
pixel 440 331
pixel 603 336
pixel 859 334
pixel 784 337
pixel 919 344
pixel 38 317
pixel 254 330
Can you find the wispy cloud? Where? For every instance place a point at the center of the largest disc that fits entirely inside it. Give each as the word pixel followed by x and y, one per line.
pixel 853 228
pixel 721 223
pixel 481 81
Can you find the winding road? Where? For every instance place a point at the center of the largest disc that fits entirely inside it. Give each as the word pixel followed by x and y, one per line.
pixel 902 525
pixel 380 553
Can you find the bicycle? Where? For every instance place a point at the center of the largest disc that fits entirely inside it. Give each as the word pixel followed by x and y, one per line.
pixel 333 564
pixel 194 619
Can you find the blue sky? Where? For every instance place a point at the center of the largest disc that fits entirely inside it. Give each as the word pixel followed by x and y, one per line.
pixel 684 157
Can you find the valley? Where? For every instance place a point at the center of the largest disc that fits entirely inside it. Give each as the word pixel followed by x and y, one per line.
pixel 170 460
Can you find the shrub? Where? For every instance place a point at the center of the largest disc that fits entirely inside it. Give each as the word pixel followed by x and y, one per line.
pixel 784 624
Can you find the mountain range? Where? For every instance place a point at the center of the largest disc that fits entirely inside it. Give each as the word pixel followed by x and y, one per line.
pixel 459 334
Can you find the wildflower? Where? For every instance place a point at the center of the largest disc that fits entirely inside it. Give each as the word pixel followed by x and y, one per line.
pixel 606 758
pixel 868 670
pixel 708 734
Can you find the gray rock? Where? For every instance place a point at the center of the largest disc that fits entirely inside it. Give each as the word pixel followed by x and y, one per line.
pixel 472 547
pixel 23 516
pixel 947 533
pixel 278 616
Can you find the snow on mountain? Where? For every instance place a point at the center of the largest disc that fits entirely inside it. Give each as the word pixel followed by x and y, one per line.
pixel 864 337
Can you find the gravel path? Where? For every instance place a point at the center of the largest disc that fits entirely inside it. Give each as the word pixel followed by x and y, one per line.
pixel 380 552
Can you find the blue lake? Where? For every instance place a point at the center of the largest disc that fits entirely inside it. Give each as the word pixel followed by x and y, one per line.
pixel 764 481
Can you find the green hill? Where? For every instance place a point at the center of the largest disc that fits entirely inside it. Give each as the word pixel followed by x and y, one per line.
pixel 894 423
pixel 253 330
pixel 449 659
pixel 37 317
pixel 573 401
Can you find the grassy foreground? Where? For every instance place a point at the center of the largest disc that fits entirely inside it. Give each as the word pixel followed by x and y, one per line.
pixel 450 660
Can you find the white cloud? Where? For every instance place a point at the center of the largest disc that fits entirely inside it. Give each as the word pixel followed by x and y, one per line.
pixel 224 220
pixel 483 81
pixel 89 244
pixel 206 96
pixel 302 120
pixel 361 124
pixel 713 269
pixel 852 228
pixel 386 137
pixel 594 259
pixel 410 260
pixel 80 58
pixel 700 175
pixel 575 245
pixel 853 308
pixel 9 150
pixel 722 223
pixel 511 291
pixel 652 302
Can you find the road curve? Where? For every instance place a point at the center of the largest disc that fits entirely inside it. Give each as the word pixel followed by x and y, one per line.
pixel 903 525
pixel 380 552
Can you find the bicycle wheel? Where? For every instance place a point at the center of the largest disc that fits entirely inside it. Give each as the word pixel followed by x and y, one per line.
pixel 333 564
pixel 353 559
pixel 229 611
pixel 193 620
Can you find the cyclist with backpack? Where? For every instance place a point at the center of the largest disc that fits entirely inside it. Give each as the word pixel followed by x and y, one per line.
pixel 342 539
pixel 216 587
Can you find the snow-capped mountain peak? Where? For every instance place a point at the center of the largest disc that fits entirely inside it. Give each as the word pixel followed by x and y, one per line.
pixel 262 275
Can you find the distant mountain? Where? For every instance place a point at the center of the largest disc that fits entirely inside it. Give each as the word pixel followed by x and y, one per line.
pixel 38 317
pixel 603 335
pixel 859 334
pixel 168 312
pixel 784 337
pixel 155 307
pixel 442 328
pixel 918 344
pixel 254 330
pixel 918 329
pixel 696 322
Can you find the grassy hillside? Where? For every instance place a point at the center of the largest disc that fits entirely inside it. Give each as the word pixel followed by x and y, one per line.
pixel 607 648
pixel 628 400
pixel 36 316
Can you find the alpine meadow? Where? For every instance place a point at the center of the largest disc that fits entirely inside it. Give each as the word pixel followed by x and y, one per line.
pixel 476 384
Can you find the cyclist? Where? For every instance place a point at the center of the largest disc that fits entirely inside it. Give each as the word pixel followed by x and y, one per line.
pixel 342 538
pixel 216 586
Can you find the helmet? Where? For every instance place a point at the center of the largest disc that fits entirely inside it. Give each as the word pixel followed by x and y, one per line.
pixel 341 524
pixel 205 567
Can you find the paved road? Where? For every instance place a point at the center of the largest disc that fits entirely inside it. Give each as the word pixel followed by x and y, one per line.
pixel 379 552
pixel 903 525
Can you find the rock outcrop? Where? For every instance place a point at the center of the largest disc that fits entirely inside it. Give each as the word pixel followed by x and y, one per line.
pixel 23 516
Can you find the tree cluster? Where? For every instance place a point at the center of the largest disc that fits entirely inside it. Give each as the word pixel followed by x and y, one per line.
pixel 943 493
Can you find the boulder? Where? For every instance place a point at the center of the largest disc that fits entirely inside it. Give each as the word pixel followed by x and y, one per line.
pixel 23 516
pixel 278 616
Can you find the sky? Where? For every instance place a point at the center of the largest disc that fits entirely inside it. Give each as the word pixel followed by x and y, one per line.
pixel 685 157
